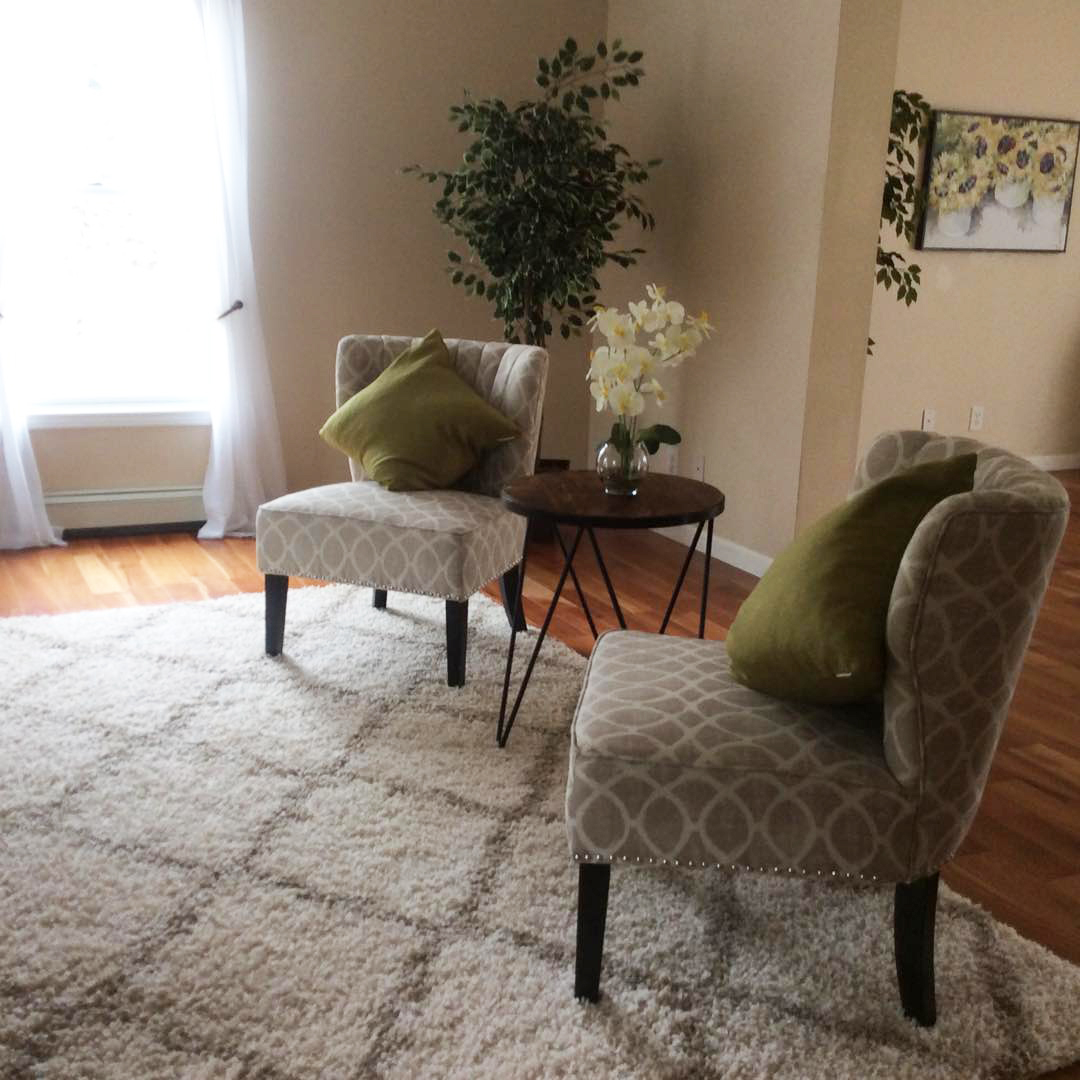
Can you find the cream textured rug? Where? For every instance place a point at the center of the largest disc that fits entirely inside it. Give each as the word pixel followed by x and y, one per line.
pixel 213 864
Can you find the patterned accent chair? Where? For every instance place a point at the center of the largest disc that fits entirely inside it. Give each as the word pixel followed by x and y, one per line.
pixel 672 762
pixel 447 544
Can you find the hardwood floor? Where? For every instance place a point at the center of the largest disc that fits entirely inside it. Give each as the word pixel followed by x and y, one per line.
pixel 1021 859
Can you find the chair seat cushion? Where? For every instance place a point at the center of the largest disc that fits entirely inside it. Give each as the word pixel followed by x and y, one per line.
pixel 673 760
pixel 438 543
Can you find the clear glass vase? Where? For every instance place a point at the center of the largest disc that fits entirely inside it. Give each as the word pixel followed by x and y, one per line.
pixel 622 464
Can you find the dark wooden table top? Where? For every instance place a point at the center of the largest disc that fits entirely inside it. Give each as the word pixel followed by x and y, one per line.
pixel 577 498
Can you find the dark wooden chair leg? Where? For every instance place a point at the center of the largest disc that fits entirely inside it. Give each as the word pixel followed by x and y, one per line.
pixel 913 936
pixel 276 590
pixel 457 634
pixel 378 598
pixel 593 882
pixel 508 584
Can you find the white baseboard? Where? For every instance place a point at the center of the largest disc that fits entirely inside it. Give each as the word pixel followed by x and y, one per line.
pixel 1056 462
pixel 124 506
pixel 742 558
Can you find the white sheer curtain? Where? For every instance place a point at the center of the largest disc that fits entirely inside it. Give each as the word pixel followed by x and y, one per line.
pixel 246 464
pixel 23 520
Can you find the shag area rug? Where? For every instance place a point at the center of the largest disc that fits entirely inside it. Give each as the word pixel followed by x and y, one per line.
pixel 215 864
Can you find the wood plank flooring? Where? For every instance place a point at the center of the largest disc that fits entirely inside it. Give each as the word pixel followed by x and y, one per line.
pixel 1021 859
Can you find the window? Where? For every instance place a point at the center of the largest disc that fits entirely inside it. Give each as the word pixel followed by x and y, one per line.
pixel 109 205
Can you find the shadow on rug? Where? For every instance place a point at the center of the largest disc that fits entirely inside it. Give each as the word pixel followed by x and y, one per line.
pixel 217 864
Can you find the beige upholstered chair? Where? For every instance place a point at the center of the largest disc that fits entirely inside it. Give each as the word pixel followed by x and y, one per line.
pixel 438 543
pixel 672 762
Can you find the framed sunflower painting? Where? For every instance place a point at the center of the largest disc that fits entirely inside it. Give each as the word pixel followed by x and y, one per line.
pixel 998 183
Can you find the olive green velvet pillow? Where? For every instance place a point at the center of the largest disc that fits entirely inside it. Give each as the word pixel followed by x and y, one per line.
pixel 419 425
pixel 813 629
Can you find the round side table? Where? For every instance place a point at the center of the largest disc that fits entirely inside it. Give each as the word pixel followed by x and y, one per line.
pixel 577 498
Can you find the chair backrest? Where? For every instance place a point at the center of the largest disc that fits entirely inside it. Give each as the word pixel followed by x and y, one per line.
pixel 510 377
pixel 962 610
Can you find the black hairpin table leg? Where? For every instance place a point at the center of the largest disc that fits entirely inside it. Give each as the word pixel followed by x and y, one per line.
pixel 607 580
pixel 518 620
pixel 682 577
pixel 502 731
pixel 705 583
pixel 577 586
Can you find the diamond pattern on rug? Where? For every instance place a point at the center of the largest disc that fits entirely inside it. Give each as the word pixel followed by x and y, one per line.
pixel 369 841
pixel 216 864
pixel 74 912
pixel 186 806
pixel 279 979
pixel 30 778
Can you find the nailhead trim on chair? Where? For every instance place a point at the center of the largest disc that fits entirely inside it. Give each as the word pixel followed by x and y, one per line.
pixel 723 866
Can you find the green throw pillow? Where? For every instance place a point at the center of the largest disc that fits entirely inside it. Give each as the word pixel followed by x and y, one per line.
pixel 813 629
pixel 419 425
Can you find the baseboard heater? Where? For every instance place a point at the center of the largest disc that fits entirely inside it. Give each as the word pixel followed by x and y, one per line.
pixel 118 508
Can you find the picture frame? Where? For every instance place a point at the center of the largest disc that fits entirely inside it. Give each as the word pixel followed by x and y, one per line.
pixel 995 182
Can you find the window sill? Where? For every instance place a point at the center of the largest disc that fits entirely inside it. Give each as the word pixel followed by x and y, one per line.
pixel 110 416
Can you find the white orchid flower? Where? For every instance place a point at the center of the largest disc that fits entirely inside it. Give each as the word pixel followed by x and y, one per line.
pixel 617 328
pixel 664 346
pixel 646 318
pixel 598 389
pixel 605 319
pixel 625 399
pixel 702 323
pixel 622 372
pixel 688 340
pixel 657 391
pixel 638 358
pixel 622 333
pixel 658 313
pixel 600 362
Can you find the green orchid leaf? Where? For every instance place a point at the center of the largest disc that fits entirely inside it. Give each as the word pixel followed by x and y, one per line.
pixel 651 437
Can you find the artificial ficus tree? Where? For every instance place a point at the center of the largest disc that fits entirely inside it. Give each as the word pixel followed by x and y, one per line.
pixel 541 192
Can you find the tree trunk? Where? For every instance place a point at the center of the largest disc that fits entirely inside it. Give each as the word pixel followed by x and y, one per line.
pixel 533 316
pixel 532 338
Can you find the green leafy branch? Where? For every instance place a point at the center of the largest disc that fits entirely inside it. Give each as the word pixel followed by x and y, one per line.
pixel 902 201
pixel 576 80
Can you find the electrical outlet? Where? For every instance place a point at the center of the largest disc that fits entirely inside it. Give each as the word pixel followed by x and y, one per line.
pixel 672 460
pixel 929 419
pixel 699 467
pixel 975 419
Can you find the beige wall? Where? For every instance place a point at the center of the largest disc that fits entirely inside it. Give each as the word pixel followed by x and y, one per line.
pixel 342 95
pixel 1001 330
pixel 862 97
pixel 99 459
pixel 738 99
pixel 89 459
